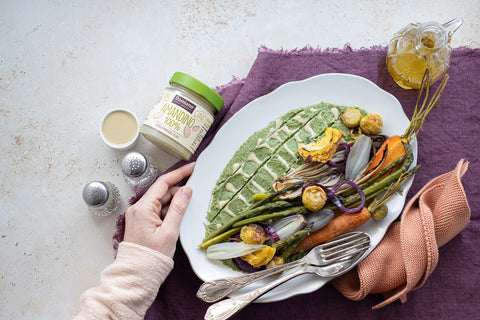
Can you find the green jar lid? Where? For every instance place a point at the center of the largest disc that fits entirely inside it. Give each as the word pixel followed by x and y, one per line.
pixel 199 88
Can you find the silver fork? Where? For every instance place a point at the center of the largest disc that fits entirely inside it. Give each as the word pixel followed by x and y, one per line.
pixel 338 249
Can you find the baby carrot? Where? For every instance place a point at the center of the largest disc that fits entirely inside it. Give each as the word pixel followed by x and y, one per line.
pixel 391 150
pixel 346 222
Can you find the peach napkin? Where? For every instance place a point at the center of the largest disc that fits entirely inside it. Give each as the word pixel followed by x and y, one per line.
pixel 408 253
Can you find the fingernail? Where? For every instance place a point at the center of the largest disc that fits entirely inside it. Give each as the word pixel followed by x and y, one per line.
pixel 186 192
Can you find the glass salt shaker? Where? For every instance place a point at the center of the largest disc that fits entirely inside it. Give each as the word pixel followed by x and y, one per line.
pixel 139 170
pixel 102 197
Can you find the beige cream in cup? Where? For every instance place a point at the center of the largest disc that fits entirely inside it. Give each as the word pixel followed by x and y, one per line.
pixel 120 129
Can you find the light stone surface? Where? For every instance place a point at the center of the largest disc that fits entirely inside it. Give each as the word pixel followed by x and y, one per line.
pixel 64 64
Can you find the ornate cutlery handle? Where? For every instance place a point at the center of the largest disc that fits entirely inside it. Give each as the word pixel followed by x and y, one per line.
pixel 215 290
pixel 226 308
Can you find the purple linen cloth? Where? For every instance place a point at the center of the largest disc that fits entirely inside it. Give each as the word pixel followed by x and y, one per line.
pixel 449 134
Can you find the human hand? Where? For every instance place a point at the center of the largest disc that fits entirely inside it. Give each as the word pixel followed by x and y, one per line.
pixel 154 220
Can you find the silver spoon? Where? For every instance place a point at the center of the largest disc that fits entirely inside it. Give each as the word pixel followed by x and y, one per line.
pixel 337 249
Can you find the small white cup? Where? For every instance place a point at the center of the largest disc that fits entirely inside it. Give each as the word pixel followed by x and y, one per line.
pixel 120 129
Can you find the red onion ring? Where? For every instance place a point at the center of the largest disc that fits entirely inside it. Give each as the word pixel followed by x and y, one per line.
pixel 332 164
pixel 340 205
pixel 271 233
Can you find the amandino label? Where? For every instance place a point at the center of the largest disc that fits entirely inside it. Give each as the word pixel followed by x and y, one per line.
pixel 180 119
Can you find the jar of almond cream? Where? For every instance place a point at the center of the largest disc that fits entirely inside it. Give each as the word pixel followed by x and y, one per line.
pixel 182 116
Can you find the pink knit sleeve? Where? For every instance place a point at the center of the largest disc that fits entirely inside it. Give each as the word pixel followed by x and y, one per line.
pixel 127 287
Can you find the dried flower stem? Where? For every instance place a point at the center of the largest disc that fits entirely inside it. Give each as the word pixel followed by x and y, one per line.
pixel 420 113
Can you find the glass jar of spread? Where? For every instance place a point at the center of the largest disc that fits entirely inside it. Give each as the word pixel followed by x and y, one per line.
pixel 182 116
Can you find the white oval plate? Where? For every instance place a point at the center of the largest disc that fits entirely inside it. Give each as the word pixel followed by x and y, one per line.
pixel 344 89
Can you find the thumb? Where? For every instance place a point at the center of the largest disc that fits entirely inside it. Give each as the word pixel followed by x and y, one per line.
pixel 177 209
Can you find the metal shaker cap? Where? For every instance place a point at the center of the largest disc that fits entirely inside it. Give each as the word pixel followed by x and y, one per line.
pixel 134 164
pixel 95 193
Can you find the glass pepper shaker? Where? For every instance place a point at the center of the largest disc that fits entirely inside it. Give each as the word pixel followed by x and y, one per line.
pixel 139 170
pixel 102 197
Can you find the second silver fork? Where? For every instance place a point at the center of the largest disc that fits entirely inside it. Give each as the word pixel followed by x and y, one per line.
pixel 340 248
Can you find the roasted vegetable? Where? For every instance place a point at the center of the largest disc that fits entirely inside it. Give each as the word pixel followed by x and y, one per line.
pixel 344 207
pixel 314 198
pixel 358 157
pixel 390 150
pixel 287 245
pixel 260 257
pixel 379 213
pixel 351 117
pixel 371 124
pixel 284 182
pixel 287 226
pixel 228 250
pixel 324 149
pixel 252 234
pixel 319 219
pixel 336 163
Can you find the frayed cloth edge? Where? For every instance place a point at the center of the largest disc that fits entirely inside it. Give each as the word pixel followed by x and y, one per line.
pixel 311 50
pixel 235 81
pixel 346 48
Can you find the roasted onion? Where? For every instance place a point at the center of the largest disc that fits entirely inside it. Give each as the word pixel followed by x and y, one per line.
pixel 358 157
pixel 289 225
pixel 319 219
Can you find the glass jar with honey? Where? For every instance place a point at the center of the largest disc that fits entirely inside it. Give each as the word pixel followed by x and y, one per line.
pixel 419 46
